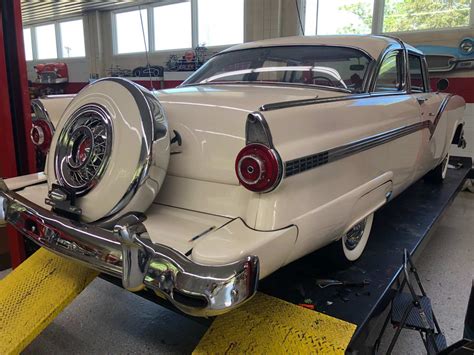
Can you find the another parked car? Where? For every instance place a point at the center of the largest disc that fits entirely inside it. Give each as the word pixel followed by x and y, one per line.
pixel 152 70
pixel 445 59
pixel 270 151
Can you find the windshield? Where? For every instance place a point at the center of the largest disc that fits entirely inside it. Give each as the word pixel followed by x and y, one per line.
pixel 339 68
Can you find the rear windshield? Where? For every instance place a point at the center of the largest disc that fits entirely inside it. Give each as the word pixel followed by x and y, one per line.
pixel 332 67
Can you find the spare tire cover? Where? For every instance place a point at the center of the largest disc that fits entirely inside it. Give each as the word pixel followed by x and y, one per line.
pixel 111 147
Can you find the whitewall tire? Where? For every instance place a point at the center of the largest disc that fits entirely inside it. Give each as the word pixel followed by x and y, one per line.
pixel 438 174
pixel 355 240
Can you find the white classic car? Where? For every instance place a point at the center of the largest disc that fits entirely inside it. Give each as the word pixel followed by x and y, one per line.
pixel 270 151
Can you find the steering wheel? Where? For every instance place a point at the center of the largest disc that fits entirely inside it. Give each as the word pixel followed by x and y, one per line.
pixel 323 78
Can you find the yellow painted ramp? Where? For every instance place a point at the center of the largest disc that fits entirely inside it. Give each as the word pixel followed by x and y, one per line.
pixel 267 325
pixel 33 294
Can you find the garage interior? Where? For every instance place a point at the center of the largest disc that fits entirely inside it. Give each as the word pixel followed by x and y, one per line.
pixel 60 47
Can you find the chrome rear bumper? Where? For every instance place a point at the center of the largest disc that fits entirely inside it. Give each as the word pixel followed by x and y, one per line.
pixel 128 253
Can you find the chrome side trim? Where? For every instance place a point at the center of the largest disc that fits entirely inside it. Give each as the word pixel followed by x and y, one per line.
pixel 299 165
pixel 440 112
pixel 257 130
pixel 128 253
pixel 323 100
pixel 314 101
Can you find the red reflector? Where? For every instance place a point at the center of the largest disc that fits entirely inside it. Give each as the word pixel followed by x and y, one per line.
pixel 258 168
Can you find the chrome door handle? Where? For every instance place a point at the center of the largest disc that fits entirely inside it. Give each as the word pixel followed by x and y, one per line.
pixel 421 100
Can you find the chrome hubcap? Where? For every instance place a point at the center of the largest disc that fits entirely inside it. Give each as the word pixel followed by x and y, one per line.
pixel 354 235
pixel 83 149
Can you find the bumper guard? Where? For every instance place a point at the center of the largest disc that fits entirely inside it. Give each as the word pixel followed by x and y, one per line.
pixel 128 253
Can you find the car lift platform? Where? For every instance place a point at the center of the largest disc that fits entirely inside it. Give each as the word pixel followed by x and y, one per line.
pixel 344 319
pixel 404 223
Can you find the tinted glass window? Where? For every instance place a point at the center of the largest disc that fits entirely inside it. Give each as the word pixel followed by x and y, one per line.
pixel 416 74
pixel 337 67
pixel 389 76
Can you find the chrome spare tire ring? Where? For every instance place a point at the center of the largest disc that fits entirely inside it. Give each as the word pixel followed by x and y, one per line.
pixel 83 148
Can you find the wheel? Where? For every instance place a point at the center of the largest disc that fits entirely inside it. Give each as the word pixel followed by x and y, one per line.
pixel 355 240
pixel 110 149
pixel 438 174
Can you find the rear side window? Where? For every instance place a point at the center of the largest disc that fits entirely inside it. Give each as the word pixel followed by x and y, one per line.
pixel 389 75
pixel 416 73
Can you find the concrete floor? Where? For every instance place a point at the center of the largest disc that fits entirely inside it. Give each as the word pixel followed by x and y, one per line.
pixel 107 319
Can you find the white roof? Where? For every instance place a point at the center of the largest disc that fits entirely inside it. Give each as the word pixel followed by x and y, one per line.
pixel 373 45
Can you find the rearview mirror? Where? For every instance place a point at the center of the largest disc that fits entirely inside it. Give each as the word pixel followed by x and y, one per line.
pixel 357 67
pixel 442 84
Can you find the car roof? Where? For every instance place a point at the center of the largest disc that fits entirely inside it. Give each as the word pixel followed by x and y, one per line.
pixel 371 44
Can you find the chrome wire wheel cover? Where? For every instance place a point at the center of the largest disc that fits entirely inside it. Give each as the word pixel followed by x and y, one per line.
pixel 354 235
pixel 83 148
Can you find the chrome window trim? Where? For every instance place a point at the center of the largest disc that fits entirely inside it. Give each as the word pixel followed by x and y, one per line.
pixel 367 74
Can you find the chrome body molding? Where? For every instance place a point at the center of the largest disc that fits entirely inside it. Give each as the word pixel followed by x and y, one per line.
pixel 128 253
pixel 299 165
pixel 440 112
pixel 257 131
pixel 316 100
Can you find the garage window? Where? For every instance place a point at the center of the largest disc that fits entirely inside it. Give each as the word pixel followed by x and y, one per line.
pixel 28 44
pixel 404 15
pixel 129 31
pixel 353 17
pixel 63 39
pixel 46 42
pixel 72 39
pixel 220 22
pixel 169 34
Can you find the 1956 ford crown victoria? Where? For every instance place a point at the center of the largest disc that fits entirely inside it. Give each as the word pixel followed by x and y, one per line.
pixel 270 151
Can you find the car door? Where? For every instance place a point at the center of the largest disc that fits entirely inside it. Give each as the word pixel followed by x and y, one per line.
pixel 399 110
pixel 429 105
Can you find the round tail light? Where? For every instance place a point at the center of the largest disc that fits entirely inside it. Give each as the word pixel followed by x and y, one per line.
pixel 41 135
pixel 258 168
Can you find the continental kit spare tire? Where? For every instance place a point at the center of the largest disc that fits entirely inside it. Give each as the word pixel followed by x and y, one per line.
pixel 111 147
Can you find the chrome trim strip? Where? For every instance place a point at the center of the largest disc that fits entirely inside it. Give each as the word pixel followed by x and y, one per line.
pixel 323 100
pixel 305 102
pixel 257 131
pixel 299 165
pixel 128 253
pixel 440 112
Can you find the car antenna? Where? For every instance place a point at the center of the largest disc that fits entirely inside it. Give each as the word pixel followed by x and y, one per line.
pixel 299 16
pixel 146 48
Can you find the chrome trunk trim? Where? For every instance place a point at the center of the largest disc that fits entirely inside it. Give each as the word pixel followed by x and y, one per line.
pixel 128 253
